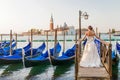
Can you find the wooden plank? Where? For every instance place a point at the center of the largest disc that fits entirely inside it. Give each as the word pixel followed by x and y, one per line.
pixel 92 72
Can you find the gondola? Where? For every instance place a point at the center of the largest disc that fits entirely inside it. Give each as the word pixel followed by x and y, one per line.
pixel 116 53
pixel 16 56
pixel 20 53
pixel 5 43
pixel 36 51
pixel 5 51
pixel 66 57
pixel 118 47
pixel 55 50
pixel 42 58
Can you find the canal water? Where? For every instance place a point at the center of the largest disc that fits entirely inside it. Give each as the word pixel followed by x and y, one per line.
pixel 47 72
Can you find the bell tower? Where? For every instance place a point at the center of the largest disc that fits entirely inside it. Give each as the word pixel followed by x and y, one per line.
pixel 51 23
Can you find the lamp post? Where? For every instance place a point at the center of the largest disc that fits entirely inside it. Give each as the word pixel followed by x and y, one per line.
pixel 85 15
pixel 81 14
pixel 78 50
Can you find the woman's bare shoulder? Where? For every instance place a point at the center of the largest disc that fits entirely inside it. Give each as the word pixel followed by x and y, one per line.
pixel 90 33
pixel 86 33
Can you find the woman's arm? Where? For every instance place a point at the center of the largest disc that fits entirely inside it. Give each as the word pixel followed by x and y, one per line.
pixel 83 38
pixel 101 40
pixel 98 37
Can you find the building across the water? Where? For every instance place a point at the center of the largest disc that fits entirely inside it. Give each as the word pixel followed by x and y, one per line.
pixel 69 30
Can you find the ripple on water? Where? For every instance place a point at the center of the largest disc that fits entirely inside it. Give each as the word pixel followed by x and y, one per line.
pixel 17 75
pixel 47 75
pixel 69 75
pixel 2 69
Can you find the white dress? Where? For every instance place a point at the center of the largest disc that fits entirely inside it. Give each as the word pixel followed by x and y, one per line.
pixel 90 56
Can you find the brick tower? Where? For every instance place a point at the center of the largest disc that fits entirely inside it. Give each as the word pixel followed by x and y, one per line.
pixel 51 23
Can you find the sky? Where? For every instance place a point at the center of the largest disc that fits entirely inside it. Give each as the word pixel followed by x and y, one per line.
pixel 22 15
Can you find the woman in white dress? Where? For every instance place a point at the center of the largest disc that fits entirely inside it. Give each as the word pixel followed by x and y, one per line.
pixel 90 57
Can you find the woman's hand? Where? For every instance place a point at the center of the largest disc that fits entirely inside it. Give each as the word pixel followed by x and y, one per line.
pixel 107 43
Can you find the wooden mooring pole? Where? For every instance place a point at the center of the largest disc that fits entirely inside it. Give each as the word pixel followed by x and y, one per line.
pixel 110 55
pixel 47 39
pixel 47 47
pixel 96 31
pixel 55 55
pixel 78 48
pixel 63 40
pixel 31 41
pixel 1 37
pixel 16 39
pixel 76 62
pixel 10 42
pixel 110 35
pixel 80 13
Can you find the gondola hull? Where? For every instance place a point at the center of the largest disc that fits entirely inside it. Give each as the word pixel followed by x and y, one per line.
pixel 10 61
pixel 40 59
pixel 62 61
pixel 30 63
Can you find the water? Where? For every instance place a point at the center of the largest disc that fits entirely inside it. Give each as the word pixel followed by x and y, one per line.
pixel 40 72
pixel 47 72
